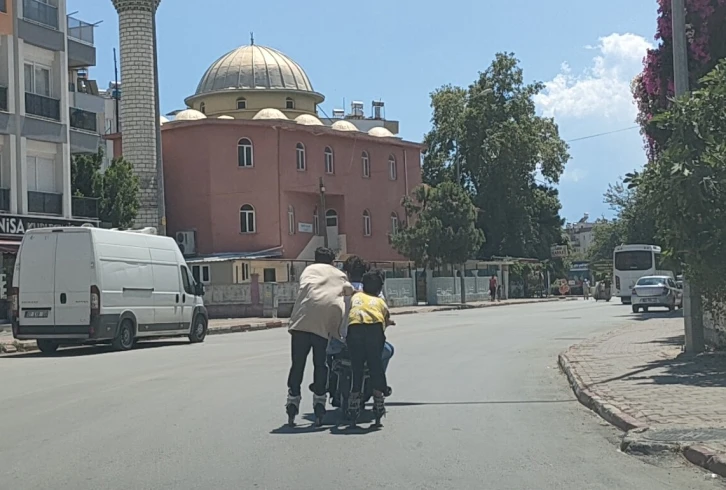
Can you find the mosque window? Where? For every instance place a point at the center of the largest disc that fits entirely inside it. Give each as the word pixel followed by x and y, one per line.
pixel 291 220
pixel 329 163
pixel 241 103
pixel 366 163
pixel 367 223
pixel 394 223
pixel 289 103
pixel 300 153
pixel 247 221
pixel 202 108
pixel 245 157
pixel 392 168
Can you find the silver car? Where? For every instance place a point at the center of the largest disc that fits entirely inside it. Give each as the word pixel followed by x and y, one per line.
pixel 661 291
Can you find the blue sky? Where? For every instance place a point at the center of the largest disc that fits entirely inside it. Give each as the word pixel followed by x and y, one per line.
pixel 586 52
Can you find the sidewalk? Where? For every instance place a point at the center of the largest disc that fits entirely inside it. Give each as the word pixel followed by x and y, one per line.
pixel 638 379
pixel 237 325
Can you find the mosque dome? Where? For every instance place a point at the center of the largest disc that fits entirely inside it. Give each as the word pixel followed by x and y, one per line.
pixel 254 67
pixel 344 126
pixel 189 115
pixel 163 120
pixel 269 113
pixel 225 117
pixel 380 132
pixel 308 120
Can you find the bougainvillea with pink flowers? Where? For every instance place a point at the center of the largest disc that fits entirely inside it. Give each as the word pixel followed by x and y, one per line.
pixel 653 88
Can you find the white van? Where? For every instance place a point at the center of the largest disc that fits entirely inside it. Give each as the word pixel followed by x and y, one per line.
pixel 84 285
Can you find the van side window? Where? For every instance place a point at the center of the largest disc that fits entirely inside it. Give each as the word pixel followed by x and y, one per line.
pixel 186 281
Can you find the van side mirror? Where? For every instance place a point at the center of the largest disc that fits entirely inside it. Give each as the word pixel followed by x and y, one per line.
pixel 199 289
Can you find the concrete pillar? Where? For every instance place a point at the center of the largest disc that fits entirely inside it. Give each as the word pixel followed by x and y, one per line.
pixel 505 282
pixel 693 319
pixel 138 101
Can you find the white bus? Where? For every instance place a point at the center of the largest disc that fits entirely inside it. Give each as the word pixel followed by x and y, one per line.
pixel 630 263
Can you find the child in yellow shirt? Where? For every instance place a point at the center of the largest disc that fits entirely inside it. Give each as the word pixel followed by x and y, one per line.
pixel 367 321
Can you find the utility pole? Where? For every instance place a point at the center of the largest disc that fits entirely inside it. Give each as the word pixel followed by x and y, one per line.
pixel 692 300
pixel 322 224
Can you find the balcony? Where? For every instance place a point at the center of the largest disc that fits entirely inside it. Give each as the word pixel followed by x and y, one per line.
pixel 83 120
pixel 45 203
pixel 84 207
pixel 42 106
pixel 41 13
pixel 80 31
pixel 4 199
pixel 3 97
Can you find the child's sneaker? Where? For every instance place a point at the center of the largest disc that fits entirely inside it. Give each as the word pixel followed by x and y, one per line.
pixel 319 402
pixel 292 407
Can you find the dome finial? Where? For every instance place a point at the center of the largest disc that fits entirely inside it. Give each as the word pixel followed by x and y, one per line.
pixel 252 38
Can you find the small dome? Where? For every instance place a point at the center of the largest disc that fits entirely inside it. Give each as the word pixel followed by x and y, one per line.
pixel 269 113
pixel 308 120
pixel 163 120
pixel 189 115
pixel 344 126
pixel 380 132
pixel 225 117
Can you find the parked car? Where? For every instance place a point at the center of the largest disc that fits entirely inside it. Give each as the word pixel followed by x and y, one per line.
pixel 656 291
pixel 82 285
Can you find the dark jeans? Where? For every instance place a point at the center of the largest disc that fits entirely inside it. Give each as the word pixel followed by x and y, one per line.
pixel 301 343
pixel 365 344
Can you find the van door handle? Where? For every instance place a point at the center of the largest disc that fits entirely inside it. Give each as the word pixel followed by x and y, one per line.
pixel 63 298
pixel 184 298
pixel 177 298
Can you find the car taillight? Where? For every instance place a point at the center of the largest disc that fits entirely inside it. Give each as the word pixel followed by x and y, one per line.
pixel 617 282
pixel 15 295
pixel 95 301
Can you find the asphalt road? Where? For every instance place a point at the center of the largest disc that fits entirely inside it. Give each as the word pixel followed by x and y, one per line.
pixel 478 403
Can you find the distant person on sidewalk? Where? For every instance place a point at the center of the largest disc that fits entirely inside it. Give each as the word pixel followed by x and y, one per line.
pixel 493 287
pixel 316 317
pixel 586 289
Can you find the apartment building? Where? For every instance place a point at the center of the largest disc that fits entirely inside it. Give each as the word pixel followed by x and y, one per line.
pixel 49 109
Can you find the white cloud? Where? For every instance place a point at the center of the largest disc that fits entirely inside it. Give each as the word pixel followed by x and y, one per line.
pixel 573 175
pixel 602 89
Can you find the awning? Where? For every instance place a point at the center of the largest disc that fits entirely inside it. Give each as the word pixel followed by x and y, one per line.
pixel 9 246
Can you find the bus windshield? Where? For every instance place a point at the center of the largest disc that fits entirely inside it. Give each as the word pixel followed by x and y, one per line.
pixel 634 260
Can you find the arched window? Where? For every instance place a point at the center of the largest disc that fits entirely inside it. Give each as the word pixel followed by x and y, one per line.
pixel 247 221
pixel 366 223
pixel 241 103
pixel 316 221
pixel 329 163
pixel 244 153
pixel 331 218
pixel 300 152
pixel 392 169
pixel 291 220
pixel 202 108
pixel 366 163
pixel 394 223
pixel 289 103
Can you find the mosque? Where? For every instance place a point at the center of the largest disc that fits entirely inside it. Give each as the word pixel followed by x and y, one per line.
pixel 251 168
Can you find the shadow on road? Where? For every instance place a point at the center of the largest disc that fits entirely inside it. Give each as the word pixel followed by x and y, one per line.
pixel 91 350
pixel 643 317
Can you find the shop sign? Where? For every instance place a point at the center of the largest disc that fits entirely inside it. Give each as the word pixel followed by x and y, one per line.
pixel 15 225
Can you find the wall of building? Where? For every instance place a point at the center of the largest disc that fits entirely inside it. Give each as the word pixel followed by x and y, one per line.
pixel 226 103
pixel 400 292
pixel 6 19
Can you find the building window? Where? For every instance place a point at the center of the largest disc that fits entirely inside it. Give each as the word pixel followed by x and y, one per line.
pixel 241 272
pixel 366 163
pixel 247 222
pixel 201 273
pixel 392 169
pixel 38 79
pixel 300 152
pixel 366 223
pixel 244 153
pixel 331 218
pixel 394 223
pixel 269 275
pixel 202 108
pixel 291 220
pixel 316 221
pixel 41 174
pixel 241 103
pixel 289 103
pixel 329 164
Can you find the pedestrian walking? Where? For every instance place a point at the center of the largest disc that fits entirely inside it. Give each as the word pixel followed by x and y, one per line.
pixel 493 287
pixel 586 289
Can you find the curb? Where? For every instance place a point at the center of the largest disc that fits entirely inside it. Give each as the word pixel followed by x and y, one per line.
pixel 699 455
pixel 18 346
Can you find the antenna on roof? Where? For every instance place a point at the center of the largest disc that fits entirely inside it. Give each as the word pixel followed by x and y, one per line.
pixel 252 38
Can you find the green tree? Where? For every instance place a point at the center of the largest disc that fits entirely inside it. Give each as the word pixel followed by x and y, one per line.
pixel 489 137
pixel 688 182
pixel 120 195
pixel 86 174
pixel 443 227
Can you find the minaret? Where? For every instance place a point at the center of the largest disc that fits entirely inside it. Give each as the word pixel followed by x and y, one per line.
pixel 139 105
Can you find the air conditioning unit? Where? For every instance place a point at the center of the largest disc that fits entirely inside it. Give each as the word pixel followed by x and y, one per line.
pixel 187 242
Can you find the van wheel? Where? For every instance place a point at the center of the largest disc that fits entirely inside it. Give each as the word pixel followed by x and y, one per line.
pixel 125 337
pixel 199 330
pixel 47 346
